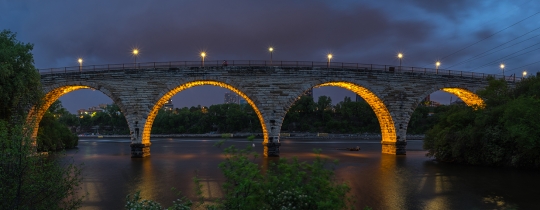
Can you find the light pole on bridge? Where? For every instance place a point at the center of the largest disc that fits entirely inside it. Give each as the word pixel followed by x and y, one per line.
pixel 400 56
pixel 329 58
pixel 437 64
pixel 502 67
pixel 135 53
pixel 271 49
pixel 203 54
pixel 524 74
pixel 80 64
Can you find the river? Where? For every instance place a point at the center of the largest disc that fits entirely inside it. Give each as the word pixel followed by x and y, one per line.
pixel 380 181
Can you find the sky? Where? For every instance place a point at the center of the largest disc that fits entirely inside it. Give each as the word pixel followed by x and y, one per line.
pixel 468 35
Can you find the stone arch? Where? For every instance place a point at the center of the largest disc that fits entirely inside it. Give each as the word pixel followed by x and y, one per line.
pixel 386 122
pixel 469 97
pixel 170 93
pixel 53 93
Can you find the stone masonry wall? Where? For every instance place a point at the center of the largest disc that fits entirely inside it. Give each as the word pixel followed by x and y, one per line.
pixel 272 90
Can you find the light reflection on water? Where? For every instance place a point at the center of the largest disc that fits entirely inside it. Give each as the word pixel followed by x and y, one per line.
pixel 377 180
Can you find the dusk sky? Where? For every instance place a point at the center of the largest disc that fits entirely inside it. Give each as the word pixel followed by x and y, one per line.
pixel 464 35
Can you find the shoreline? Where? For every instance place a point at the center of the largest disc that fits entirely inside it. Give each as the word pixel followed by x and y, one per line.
pixel 259 135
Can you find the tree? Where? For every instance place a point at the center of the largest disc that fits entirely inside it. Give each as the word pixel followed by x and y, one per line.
pixel 504 133
pixel 33 180
pixel 53 133
pixel 19 81
pixel 29 180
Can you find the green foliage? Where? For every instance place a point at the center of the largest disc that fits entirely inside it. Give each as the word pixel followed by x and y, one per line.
pixel 28 180
pixel 110 122
pixel 304 116
pixel 53 133
pixel 222 118
pixel 20 86
pixel 345 117
pixel 505 133
pixel 31 180
pixel 135 202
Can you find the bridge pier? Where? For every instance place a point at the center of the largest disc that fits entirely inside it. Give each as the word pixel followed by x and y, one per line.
pixel 394 148
pixel 271 149
pixel 139 150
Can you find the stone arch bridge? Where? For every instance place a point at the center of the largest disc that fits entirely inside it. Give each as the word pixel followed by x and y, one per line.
pixel 271 88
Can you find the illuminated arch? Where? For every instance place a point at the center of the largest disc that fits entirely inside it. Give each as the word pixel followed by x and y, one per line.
pixel 37 112
pixel 152 115
pixel 470 98
pixel 388 130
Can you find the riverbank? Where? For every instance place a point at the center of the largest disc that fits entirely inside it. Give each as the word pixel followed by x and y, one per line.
pixel 259 135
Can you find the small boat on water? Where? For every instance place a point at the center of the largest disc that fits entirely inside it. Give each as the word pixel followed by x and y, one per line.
pixel 357 148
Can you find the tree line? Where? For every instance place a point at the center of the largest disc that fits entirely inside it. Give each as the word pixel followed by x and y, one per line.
pixel 305 115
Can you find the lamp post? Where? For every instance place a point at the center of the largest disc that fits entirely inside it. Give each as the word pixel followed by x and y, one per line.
pixel 437 64
pixel 502 67
pixel 523 75
pixel 271 49
pixel 203 54
pixel 329 58
pixel 400 56
pixel 135 54
pixel 80 64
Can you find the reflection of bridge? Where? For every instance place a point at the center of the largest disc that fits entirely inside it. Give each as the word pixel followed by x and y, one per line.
pixel 271 89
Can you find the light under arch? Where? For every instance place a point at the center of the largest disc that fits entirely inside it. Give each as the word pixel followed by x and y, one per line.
pixel 152 115
pixel 388 130
pixel 37 112
pixel 470 98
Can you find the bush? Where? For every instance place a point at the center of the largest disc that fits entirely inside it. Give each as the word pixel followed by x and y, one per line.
pixel 31 180
pixel 504 133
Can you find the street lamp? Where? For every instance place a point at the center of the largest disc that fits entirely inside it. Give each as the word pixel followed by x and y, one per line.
pixel 329 58
pixel 135 54
pixel 271 49
pixel 80 64
pixel 203 54
pixel 400 56
pixel 502 67
pixel 524 74
pixel 437 64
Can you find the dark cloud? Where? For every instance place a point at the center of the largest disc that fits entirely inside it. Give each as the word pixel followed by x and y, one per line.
pixel 104 32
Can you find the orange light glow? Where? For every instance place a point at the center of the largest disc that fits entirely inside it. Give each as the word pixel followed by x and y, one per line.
pixel 152 115
pixel 470 98
pixel 36 113
pixel 386 122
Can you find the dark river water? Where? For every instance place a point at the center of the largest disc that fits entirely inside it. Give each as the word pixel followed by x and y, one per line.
pixel 380 181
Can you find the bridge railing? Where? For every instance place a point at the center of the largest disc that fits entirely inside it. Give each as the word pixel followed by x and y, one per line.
pixel 330 66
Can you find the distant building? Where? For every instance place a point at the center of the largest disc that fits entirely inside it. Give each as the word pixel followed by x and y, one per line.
pixel 92 110
pixel 426 101
pixel 434 104
pixel 231 98
pixel 168 106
